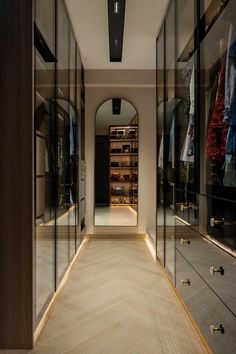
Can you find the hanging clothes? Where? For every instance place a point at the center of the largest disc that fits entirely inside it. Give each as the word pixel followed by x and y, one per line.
pixel 218 129
pixel 230 74
pixel 161 151
pixel 171 144
pixel 187 152
pixel 229 179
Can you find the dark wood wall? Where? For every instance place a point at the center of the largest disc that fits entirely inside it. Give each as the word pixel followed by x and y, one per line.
pixel 16 166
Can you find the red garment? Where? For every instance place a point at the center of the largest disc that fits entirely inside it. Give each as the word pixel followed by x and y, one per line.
pixel 217 129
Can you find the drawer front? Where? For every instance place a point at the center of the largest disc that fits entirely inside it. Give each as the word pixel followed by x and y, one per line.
pixel 216 322
pixel 186 207
pixel 219 221
pixel 216 266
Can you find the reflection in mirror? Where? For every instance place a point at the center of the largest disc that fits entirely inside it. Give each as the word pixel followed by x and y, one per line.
pixel 56 149
pixel 116 164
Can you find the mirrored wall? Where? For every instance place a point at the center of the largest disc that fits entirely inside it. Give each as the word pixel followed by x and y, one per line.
pixel 116 164
pixel 57 114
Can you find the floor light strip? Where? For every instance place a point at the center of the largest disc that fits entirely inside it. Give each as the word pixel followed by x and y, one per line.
pixel 60 287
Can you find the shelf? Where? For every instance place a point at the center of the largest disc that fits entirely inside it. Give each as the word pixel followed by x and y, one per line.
pixel 124 168
pixel 124 204
pixel 123 140
pixel 131 151
pixel 123 154
pixel 130 182
pixel 124 195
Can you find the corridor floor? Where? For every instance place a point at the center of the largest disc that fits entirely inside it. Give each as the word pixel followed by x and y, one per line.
pixel 115 216
pixel 117 300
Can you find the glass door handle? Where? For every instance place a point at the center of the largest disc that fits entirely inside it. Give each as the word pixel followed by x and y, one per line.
pixel 219 328
pixel 214 270
pixel 216 221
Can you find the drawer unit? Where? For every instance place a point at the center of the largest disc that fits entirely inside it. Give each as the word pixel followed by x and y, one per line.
pixel 186 207
pixel 217 267
pixel 220 221
pixel 83 188
pixel 216 322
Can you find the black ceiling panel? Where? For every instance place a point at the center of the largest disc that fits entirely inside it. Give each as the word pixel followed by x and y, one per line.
pixel 116 19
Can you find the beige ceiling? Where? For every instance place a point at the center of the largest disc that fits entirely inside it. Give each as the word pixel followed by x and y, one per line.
pixel 143 19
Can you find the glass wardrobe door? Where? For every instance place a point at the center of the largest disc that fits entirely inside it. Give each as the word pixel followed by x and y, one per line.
pixel 186 137
pixel 169 151
pixel 218 109
pixel 78 137
pixel 63 187
pixel 44 89
pixel 160 146
pixel 218 126
pixel 72 153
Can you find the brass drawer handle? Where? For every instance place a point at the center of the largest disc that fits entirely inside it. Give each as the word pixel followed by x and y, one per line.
pixel 187 282
pixel 214 270
pixel 216 221
pixel 185 241
pixel 219 328
pixel 185 206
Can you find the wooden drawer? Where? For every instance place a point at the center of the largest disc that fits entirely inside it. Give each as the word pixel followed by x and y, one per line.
pixel 203 255
pixel 219 221
pixel 206 308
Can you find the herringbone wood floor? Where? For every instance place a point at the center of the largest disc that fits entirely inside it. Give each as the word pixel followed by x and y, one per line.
pixel 117 301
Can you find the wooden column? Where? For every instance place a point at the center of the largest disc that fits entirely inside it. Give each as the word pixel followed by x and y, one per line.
pixel 16 170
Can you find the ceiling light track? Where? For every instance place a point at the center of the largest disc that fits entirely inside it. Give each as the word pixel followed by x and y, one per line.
pixel 116 19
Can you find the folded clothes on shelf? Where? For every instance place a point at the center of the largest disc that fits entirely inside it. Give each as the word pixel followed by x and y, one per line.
pixel 115 151
pixel 125 164
pixel 118 190
pixel 115 176
pixel 125 148
pixel 115 164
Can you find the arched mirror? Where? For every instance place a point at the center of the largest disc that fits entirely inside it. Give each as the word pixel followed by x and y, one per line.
pixel 116 164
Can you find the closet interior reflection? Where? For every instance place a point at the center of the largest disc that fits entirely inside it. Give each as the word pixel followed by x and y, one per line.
pixel 58 116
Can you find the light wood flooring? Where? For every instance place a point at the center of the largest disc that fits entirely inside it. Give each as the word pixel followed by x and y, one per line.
pixel 117 300
pixel 115 216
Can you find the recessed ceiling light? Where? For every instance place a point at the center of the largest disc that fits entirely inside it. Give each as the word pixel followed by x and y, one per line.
pixel 116 19
pixel 116 7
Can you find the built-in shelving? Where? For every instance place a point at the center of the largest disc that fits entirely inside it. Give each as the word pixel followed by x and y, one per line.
pixel 124 192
